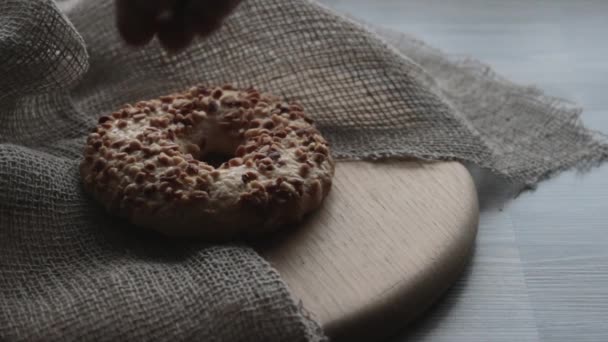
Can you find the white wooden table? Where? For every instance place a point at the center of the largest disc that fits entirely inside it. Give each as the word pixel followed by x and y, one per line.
pixel 540 271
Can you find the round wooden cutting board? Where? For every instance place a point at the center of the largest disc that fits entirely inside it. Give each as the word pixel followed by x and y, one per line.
pixel 389 240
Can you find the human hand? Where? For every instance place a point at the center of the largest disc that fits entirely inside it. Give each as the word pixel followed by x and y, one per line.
pixel 174 22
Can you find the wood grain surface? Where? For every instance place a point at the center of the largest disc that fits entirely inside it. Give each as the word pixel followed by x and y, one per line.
pixel 540 267
pixel 389 240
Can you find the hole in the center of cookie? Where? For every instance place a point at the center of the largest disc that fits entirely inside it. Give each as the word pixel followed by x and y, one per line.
pixel 216 159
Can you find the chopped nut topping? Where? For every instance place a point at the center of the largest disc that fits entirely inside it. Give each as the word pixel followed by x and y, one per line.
pixel 249 176
pixel 147 155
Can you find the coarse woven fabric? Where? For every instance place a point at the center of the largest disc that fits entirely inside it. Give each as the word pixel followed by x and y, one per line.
pixel 70 272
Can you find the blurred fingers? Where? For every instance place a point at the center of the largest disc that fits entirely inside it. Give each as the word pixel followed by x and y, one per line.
pixel 175 22
pixel 177 31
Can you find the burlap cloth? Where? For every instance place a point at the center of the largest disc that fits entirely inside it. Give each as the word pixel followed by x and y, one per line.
pixel 70 272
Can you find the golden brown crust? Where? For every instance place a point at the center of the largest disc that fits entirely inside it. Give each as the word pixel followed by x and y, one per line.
pixel 145 163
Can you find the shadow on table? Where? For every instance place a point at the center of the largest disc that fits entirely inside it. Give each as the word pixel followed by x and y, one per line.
pixel 493 192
